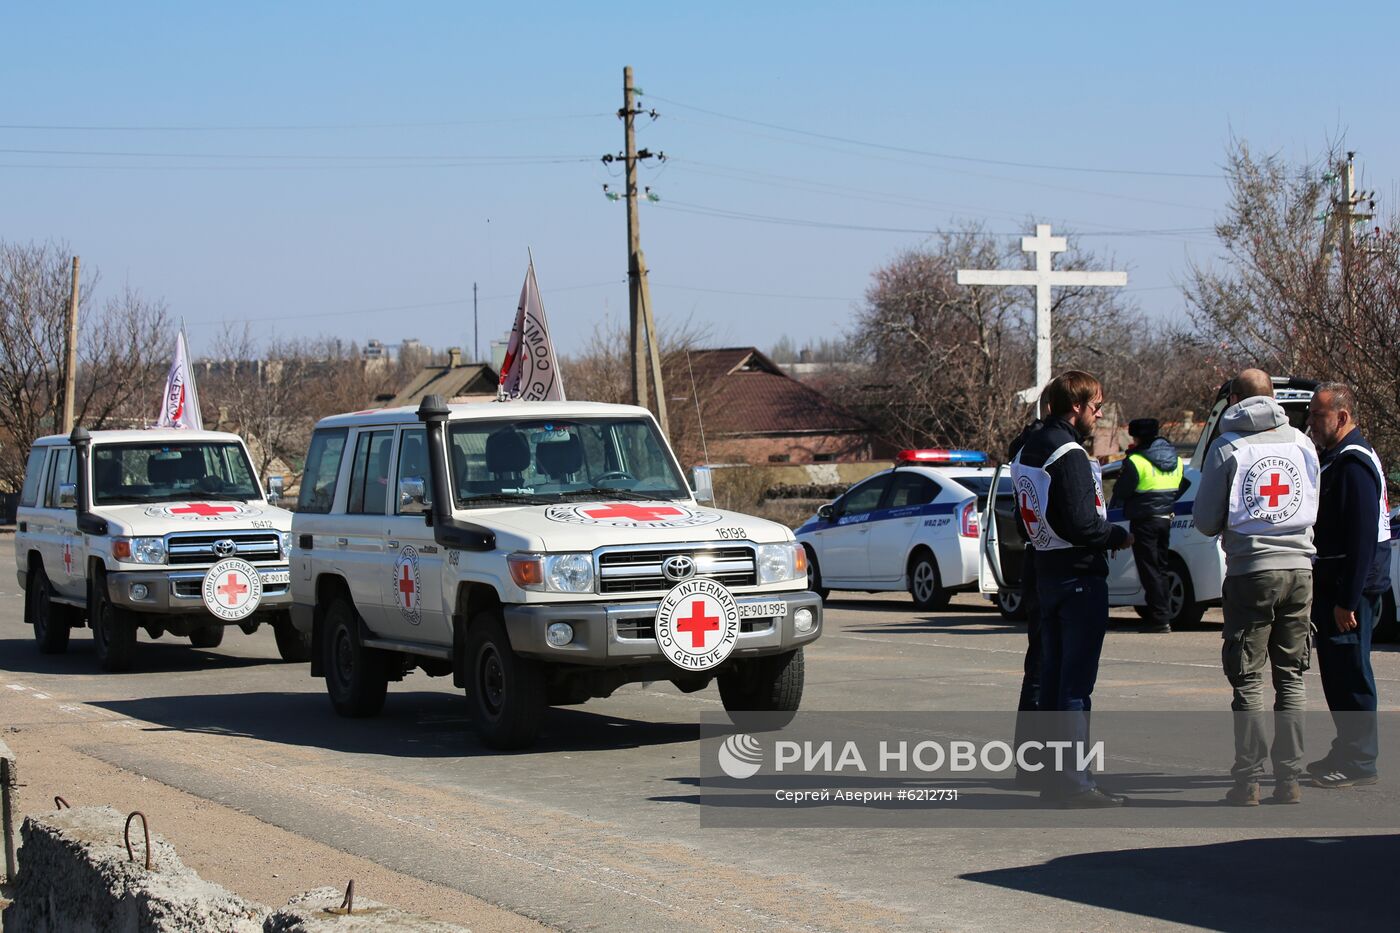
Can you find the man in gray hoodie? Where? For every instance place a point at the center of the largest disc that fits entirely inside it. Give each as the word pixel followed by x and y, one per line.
pixel 1259 490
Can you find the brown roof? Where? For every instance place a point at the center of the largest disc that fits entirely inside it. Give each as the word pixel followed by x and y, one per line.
pixel 449 382
pixel 742 392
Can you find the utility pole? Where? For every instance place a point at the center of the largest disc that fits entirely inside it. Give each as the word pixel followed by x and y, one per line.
pixel 476 329
pixel 70 365
pixel 1349 214
pixel 641 321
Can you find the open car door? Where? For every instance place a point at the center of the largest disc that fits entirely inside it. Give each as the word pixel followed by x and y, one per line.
pixel 990 579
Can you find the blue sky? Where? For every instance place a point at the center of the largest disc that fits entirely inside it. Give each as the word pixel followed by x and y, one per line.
pixel 303 165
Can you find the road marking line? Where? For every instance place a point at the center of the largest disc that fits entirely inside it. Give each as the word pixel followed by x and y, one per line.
pixel 19 687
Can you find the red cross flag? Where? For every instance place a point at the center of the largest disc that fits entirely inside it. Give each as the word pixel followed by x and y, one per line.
pixel 179 407
pixel 530 370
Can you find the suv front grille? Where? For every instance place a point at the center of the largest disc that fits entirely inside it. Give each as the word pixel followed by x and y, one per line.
pixel 640 571
pixel 260 547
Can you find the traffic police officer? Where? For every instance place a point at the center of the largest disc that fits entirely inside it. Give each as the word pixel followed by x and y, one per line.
pixel 1148 487
pixel 1060 498
pixel 1351 573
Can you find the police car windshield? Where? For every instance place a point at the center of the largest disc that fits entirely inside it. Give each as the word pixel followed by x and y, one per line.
pixel 557 459
pixel 126 473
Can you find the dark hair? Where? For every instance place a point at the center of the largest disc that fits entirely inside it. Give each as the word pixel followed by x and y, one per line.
pixel 1069 389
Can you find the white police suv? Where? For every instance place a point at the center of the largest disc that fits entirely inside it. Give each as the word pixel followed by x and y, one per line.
pixel 1196 568
pixel 912 527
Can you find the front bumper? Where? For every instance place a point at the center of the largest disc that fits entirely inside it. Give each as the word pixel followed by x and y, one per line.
pixel 178 592
pixel 607 635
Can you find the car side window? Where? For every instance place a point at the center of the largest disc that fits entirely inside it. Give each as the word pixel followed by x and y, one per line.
pixel 865 497
pixel 413 463
pixel 63 468
pixel 369 473
pixel 318 481
pixel 909 489
pixel 33 477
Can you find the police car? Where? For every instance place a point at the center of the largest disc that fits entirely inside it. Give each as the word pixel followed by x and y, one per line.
pixel 1196 566
pixel 1388 626
pixel 912 527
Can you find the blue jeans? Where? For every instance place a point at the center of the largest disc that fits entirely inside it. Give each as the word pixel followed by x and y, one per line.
pixel 1344 661
pixel 1073 621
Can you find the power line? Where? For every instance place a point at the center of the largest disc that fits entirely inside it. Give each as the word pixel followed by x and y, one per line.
pixel 280 127
pixel 938 155
pixel 332 157
pixel 723 213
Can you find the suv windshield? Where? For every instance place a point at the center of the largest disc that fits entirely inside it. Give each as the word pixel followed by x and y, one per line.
pixel 496 462
pixel 123 473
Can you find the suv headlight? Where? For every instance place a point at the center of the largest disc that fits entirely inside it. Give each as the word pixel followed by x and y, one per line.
pixel 558 573
pixel 780 563
pixel 286 540
pixel 139 550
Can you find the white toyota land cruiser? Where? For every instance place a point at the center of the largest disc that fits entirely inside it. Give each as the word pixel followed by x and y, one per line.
pixel 163 530
pixel 542 553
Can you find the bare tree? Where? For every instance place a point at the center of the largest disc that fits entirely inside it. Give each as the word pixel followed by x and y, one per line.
pixel 1287 298
pixel 119 354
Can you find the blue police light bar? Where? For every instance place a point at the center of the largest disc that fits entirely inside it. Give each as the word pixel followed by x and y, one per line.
pixel 941 455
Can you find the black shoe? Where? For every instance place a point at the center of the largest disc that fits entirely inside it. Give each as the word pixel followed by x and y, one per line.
pixel 1157 630
pixel 1335 779
pixel 1321 766
pixel 1092 799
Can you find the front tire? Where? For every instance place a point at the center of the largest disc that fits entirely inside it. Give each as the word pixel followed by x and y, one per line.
pixel 814 575
pixel 207 636
pixel 1011 606
pixel 1387 627
pixel 924 584
pixel 113 628
pixel 292 645
pixel 357 679
pixel 770 684
pixel 507 692
pixel 1181 597
pixel 50 621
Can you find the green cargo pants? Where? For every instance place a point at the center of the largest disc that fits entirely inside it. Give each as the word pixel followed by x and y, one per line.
pixel 1267 623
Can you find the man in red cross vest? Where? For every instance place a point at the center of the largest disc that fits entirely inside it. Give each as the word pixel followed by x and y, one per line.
pixel 1259 492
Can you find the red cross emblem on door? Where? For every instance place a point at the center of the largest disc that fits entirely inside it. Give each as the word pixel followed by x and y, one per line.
pixel 1276 490
pixel 204 509
pixel 233 589
pixel 697 624
pixel 68 558
pixel 406 586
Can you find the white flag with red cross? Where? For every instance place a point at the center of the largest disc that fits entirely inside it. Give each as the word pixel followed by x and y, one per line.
pixel 530 371
pixel 179 406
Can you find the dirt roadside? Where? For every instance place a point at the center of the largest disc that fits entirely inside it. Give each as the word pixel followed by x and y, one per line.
pixel 226 846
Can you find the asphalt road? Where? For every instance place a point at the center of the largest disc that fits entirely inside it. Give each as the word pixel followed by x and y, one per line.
pixel 598 827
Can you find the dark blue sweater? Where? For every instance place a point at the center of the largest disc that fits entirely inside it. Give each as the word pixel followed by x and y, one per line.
pixel 1349 560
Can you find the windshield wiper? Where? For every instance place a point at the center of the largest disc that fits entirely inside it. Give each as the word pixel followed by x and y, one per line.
pixel 599 492
pixel 521 498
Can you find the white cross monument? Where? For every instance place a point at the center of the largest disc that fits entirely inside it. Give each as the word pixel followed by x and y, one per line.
pixel 1042 278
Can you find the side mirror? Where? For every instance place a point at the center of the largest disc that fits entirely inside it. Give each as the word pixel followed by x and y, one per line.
pixel 68 496
pixel 413 495
pixel 827 512
pixel 274 489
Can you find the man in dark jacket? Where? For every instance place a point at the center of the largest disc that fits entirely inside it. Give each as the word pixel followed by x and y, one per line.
pixel 1351 574
pixel 1147 489
pixel 1060 498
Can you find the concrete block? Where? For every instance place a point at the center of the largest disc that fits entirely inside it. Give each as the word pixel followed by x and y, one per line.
pixel 9 781
pixel 75 877
pixel 311 913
